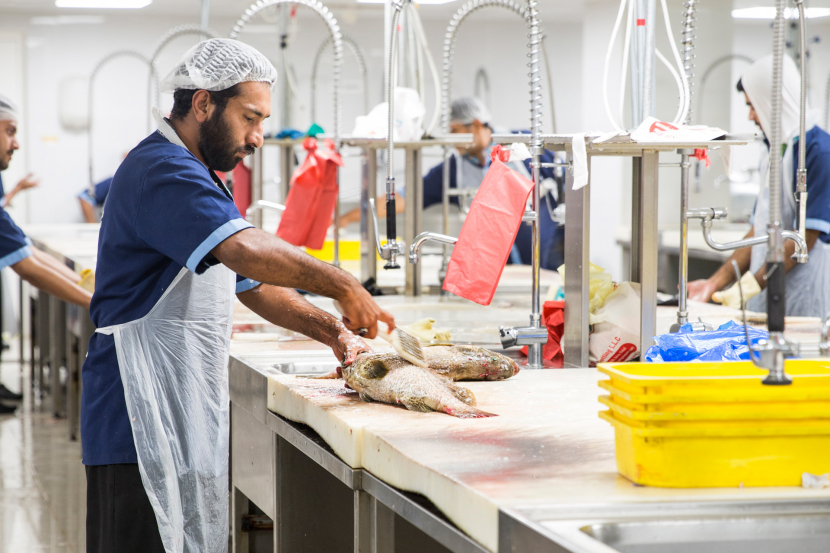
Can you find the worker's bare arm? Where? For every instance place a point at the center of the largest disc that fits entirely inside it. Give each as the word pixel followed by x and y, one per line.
pixel 702 290
pixel 265 258
pixel 44 277
pixel 46 259
pixel 88 211
pixel 286 308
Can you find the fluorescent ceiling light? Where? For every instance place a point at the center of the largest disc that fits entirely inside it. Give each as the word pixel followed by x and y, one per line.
pixel 115 4
pixel 422 2
pixel 67 20
pixel 760 12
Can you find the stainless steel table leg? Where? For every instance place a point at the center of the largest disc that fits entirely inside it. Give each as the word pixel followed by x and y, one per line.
pixel 577 264
pixel 72 399
pixel 414 216
pixel 239 507
pixel 256 186
pixel 384 535
pixel 286 169
pixel 648 239
pixel 43 339
pixel 24 317
pixel 57 350
pixel 368 190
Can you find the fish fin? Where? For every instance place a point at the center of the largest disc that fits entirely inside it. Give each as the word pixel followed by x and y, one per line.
pixel 464 411
pixel 418 405
pixel 462 393
pixel 365 397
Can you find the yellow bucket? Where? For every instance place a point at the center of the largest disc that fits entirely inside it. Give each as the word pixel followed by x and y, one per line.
pixel 349 251
pixel 714 382
pixel 721 454
pixel 755 411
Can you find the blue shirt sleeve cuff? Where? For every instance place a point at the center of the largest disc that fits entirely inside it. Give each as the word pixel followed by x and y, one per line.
pixel 216 237
pixel 85 197
pixel 817 224
pixel 15 257
pixel 245 285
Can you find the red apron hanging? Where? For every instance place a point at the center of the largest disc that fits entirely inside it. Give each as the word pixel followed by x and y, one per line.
pixel 242 188
pixel 313 194
pixel 489 231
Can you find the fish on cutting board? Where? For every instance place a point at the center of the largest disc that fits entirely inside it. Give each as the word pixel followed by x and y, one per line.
pixel 387 378
pixel 469 363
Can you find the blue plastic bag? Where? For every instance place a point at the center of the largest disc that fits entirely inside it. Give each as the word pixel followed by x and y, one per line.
pixel 727 343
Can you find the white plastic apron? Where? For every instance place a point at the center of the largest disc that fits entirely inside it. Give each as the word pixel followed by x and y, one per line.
pixel 173 364
pixel 807 285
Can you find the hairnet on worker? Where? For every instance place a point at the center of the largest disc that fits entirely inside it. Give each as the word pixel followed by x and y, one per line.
pixel 8 109
pixel 467 110
pixel 218 64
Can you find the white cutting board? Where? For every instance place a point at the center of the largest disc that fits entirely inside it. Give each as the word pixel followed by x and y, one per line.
pixel 547 451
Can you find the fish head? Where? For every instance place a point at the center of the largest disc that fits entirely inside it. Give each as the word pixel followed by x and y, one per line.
pixel 368 369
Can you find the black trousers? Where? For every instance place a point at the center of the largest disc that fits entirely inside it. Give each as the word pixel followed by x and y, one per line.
pixel 119 517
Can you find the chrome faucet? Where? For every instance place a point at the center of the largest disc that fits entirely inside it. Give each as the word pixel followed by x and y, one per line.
pixel 392 249
pixel 421 239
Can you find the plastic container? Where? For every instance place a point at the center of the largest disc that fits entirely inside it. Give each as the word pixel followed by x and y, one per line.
pixel 755 411
pixel 719 382
pixel 349 251
pixel 721 454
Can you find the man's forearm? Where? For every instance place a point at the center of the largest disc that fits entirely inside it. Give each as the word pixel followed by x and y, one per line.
pixel 46 259
pixel 43 277
pixel 286 308
pixel 268 259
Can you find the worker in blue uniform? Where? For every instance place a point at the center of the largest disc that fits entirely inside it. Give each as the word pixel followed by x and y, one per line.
pixel 469 165
pixel 808 284
pixel 173 250
pixel 92 200
pixel 16 251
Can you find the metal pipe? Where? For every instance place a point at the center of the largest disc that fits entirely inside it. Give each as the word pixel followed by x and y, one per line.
pixel 91 101
pixel 415 247
pixel 482 80
pixel 534 355
pixel 801 174
pixel 260 205
pixel 714 65
pixel 337 42
pixel 683 258
pixel 359 55
pixel 649 107
pixel 391 250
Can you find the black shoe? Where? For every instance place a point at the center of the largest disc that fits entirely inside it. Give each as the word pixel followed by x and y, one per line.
pixel 7 409
pixel 7 394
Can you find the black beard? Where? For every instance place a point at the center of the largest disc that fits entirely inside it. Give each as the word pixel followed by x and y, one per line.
pixel 217 146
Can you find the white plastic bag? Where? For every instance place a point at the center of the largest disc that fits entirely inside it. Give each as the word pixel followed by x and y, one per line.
pixel 409 118
pixel 615 337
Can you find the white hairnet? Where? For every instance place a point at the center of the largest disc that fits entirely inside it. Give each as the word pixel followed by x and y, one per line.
pixel 8 109
pixel 218 64
pixel 467 110
pixel 757 83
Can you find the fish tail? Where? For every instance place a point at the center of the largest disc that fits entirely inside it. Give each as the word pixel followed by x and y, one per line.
pixel 465 411
pixel 462 393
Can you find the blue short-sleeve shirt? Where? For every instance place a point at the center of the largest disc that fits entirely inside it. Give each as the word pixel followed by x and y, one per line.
pixel 14 245
pixel 165 210
pixel 818 181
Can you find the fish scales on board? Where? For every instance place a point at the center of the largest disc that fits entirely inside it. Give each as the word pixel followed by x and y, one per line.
pixel 387 378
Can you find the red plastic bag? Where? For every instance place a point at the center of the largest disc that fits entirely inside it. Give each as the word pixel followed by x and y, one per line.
pixel 242 188
pixel 488 233
pixel 310 203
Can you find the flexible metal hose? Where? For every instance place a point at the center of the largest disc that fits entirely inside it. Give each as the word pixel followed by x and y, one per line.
pixel 91 102
pixel 165 39
pixel 802 123
pixel 334 31
pixel 534 357
pixel 359 55
pixel 775 130
pixel 397 6
pixel 688 47
pixel 714 65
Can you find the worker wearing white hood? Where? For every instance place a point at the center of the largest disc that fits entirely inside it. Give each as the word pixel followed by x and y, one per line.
pixel 808 285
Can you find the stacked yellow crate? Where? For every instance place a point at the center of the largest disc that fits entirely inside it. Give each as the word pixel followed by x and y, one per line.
pixel 688 425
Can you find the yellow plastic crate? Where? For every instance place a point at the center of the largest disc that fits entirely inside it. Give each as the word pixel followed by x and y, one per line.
pixel 714 382
pixel 721 454
pixel 349 251
pixel 665 412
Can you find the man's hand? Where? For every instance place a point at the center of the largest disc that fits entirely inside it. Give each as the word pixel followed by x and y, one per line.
pixel 347 346
pixel 360 311
pixel 26 183
pixel 701 290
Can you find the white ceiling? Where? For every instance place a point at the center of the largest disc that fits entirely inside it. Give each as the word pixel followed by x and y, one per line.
pixel 233 8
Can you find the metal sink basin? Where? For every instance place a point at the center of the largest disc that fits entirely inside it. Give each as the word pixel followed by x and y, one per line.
pixel 749 534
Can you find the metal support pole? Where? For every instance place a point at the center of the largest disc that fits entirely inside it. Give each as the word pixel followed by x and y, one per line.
pixel 683 259
pixel 649 74
pixel 413 214
pixel 368 189
pixel 648 238
pixel 57 350
pixel 256 187
pixel 577 273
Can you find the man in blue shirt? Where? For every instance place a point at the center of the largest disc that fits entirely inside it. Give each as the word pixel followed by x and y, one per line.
pixel 154 411
pixel 808 284
pixel 16 251
pixel 92 201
